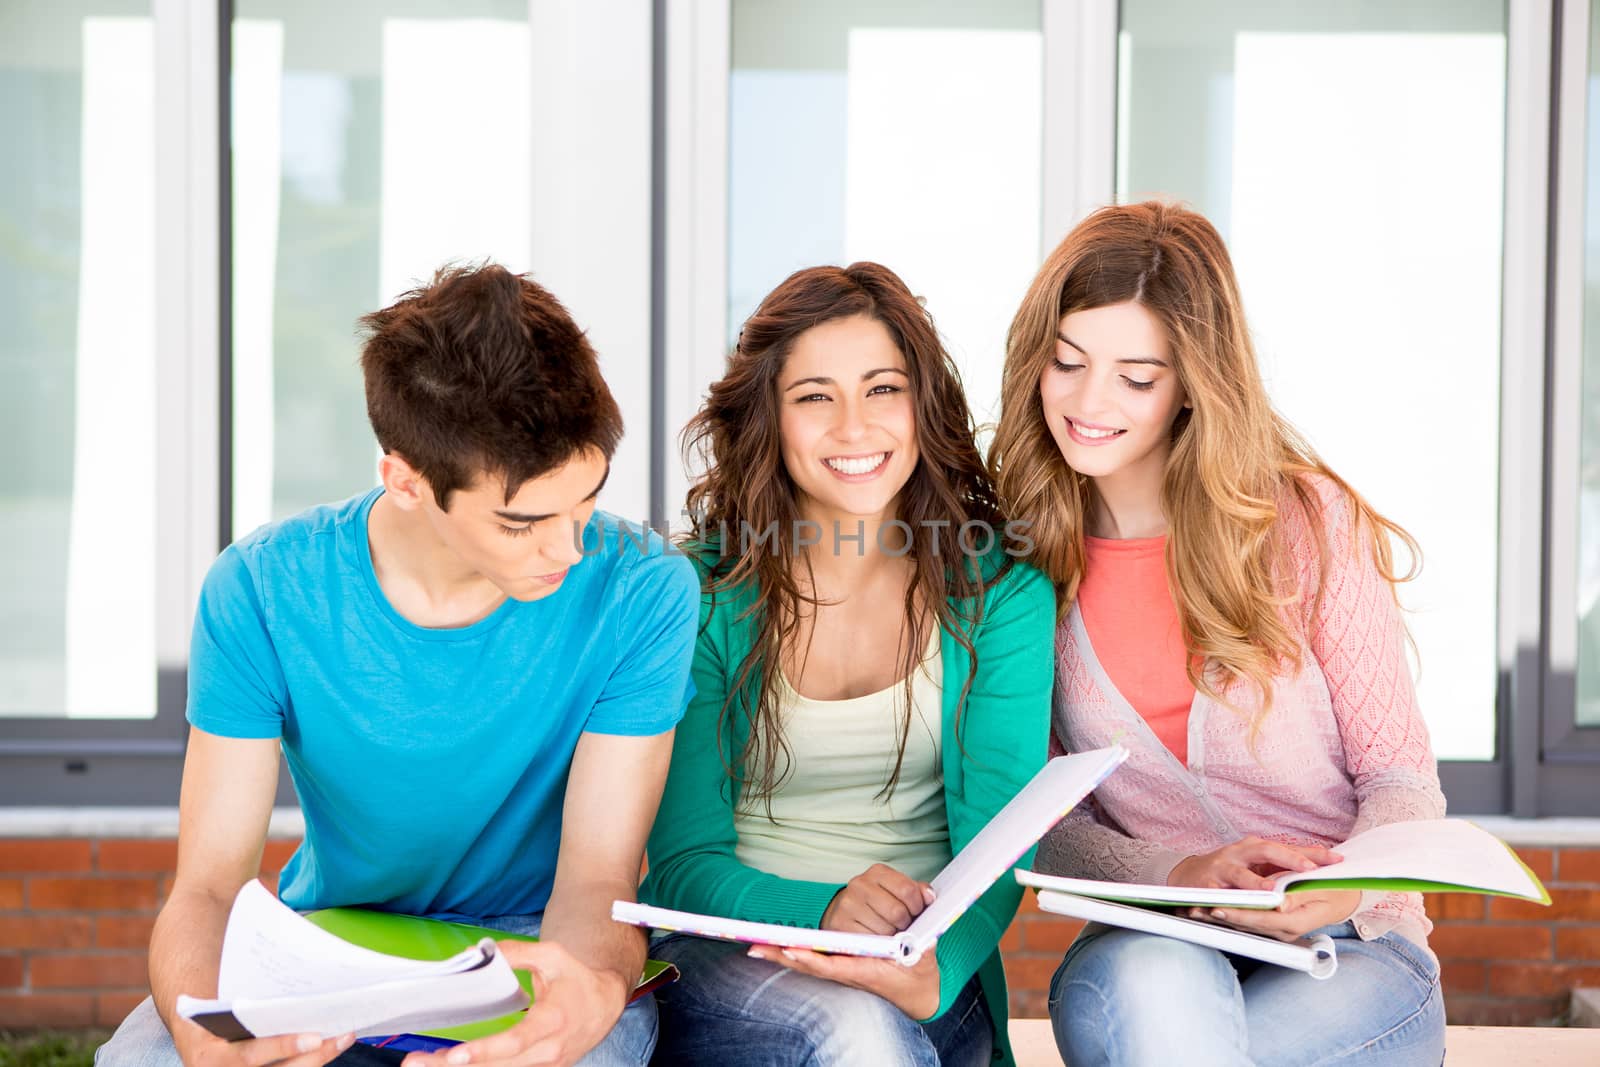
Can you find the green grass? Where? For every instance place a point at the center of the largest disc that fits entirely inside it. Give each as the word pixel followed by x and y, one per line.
pixel 47 1049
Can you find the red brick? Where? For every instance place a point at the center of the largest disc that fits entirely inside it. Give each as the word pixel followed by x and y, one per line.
pixel 43 856
pixel 1578 943
pixel 10 972
pixel 1490 1011
pixel 1049 935
pixel 1565 905
pixel 123 931
pixel 1578 865
pixel 1463 976
pixel 33 1011
pixel 41 931
pixel 276 854
pixel 1030 1004
pixel 138 855
pixel 111 1008
pixel 126 971
pixel 10 894
pixel 1541 861
pixel 1030 972
pixel 1460 941
pixel 1449 906
pixel 1012 939
pixel 1540 979
pixel 92 894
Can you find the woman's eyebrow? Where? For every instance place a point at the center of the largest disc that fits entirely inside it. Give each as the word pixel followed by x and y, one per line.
pixel 1146 361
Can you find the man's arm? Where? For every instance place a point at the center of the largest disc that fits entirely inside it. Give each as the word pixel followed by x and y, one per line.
pixel 228 787
pixel 584 965
pixel 612 796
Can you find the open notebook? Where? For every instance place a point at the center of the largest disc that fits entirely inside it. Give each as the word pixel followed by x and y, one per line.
pixel 1053 792
pixel 1428 855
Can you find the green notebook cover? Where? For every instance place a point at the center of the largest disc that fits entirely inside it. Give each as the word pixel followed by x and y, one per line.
pixel 430 939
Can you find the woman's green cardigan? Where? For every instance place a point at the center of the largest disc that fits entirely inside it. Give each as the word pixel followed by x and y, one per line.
pixel 1003 737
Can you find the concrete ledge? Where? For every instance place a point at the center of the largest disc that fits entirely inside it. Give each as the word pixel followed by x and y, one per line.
pixel 287 823
pixel 122 822
pixel 1465 1046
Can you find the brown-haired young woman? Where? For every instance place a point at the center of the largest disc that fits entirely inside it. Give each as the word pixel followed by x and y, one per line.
pixel 873 684
pixel 1229 615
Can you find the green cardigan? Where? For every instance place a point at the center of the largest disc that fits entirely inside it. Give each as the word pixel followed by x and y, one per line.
pixel 1004 732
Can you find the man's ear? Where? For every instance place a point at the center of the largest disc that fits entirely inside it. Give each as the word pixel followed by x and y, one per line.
pixel 401 481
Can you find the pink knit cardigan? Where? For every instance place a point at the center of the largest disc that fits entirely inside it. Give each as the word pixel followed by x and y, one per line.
pixel 1342 748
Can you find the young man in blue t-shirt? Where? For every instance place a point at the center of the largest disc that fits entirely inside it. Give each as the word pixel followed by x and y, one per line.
pixel 473 675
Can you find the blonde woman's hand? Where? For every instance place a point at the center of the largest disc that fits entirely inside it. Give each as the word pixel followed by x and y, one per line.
pixel 879 900
pixel 1249 863
pixel 1299 914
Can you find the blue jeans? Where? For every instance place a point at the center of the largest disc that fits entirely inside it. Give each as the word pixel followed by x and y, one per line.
pixel 143 1041
pixel 731 1009
pixel 1124 997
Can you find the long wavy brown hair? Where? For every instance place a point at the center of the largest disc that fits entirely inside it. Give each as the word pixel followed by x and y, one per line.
pixel 735 439
pixel 1233 457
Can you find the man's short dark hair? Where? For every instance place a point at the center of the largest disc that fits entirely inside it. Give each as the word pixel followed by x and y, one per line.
pixel 483 372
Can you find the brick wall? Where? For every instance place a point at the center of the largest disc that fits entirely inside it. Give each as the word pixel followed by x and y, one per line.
pixel 75 918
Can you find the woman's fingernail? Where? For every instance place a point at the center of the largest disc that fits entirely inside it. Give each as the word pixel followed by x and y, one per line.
pixel 1218 913
pixel 789 955
pixel 459 1055
pixel 346 1041
pixel 307 1042
pixel 928 893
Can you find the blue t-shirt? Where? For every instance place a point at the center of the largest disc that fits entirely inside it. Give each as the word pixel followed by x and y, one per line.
pixel 431 763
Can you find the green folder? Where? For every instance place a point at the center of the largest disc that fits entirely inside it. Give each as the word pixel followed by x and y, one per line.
pixel 430 939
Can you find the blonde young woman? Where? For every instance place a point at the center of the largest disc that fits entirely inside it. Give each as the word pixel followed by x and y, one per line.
pixel 1228 613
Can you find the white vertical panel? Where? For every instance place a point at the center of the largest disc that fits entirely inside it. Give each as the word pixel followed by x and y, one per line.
pixel 1523 328
pixel 111 613
pixel 1080 112
pixel 1411 333
pixel 947 194
pixel 591 131
pixel 257 76
pixel 698 55
pixel 1566 386
pixel 457 105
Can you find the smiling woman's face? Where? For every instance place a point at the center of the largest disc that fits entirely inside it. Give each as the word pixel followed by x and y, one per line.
pixel 847 421
pixel 1111 393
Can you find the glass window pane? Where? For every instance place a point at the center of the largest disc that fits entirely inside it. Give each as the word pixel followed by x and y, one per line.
pixel 1353 156
pixel 1589 464
pixel 373 141
pixel 902 133
pixel 77 360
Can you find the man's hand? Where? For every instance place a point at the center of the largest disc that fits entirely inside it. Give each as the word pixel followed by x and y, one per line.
pixel 200 1048
pixel 573 1009
pixel 1298 915
pixel 1248 863
pixel 879 900
pixel 914 990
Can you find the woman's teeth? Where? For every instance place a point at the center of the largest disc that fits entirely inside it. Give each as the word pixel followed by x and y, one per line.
pixel 1096 434
pixel 857 464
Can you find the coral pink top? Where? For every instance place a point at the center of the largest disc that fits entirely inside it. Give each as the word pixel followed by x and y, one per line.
pixel 1133 624
pixel 1342 749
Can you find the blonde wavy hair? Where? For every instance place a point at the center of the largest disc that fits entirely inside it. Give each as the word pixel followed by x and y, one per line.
pixel 1234 460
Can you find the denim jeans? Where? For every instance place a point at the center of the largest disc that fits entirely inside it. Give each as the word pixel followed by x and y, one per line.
pixel 731 1009
pixel 1124 997
pixel 143 1041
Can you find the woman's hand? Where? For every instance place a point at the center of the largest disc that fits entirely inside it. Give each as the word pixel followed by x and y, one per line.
pixel 914 990
pixel 879 900
pixel 1298 915
pixel 1249 863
